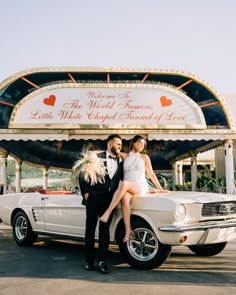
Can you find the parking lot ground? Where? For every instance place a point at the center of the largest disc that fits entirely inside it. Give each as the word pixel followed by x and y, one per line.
pixel 56 267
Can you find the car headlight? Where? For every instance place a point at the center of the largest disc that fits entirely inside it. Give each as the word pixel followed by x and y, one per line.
pixel 180 212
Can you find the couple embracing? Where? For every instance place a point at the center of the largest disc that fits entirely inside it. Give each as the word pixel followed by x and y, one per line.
pixel 124 179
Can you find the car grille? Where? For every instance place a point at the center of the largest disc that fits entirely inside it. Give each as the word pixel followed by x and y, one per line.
pixel 219 208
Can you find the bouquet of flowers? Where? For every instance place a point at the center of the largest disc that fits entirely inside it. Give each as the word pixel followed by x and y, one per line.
pixel 91 167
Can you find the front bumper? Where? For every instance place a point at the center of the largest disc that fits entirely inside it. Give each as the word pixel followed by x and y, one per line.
pixel 175 228
pixel 211 233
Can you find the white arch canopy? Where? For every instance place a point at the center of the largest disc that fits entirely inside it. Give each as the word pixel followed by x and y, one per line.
pixel 48 114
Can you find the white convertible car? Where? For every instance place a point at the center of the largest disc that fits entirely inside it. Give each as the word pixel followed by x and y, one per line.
pixel 204 222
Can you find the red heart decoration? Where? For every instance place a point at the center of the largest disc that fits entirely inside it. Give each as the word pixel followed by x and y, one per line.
pixel 165 102
pixel 50 100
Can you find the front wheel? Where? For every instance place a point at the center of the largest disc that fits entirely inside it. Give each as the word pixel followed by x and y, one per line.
pixel 22 230
pixel 208 250
pixel 143 250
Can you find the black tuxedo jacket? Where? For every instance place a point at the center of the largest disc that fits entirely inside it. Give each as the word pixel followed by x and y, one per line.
pixel 109 186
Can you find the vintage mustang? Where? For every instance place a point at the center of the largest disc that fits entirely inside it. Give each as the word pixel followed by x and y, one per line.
pixel 204 222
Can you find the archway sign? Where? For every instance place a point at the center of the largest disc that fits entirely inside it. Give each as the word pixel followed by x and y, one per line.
pixel 48 114
pixel 102 106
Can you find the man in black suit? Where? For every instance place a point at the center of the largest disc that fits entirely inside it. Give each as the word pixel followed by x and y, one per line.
pixel 97 198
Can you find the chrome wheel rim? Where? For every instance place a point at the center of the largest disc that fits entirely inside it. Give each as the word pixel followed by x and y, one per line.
pixel 143 244
pixel 21 227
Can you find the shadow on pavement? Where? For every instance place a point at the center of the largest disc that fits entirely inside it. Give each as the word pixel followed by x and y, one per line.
pixel 52 258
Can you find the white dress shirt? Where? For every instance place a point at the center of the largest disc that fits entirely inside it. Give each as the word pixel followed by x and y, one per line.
pixel 112 165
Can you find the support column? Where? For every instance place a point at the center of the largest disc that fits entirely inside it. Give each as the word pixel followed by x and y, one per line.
pixel 180 172
pixel 18 176
pixel 3 172
pixel 194 171
pixel 229 166
pixel 45 178
pixel 174 174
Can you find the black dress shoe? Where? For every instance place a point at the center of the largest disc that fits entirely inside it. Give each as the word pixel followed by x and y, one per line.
pixel 89 266
pixel 103 267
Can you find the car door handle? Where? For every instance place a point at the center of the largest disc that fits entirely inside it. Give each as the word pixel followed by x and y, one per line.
pixel 44 198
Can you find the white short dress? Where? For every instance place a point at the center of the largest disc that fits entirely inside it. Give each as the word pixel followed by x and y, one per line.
pixel 134 169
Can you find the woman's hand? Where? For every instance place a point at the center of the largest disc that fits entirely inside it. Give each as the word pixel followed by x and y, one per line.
pixel 123 155
pixel 153 191
pixel 164 190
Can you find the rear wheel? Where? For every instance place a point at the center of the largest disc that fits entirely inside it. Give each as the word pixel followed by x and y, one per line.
pixel 22 230
pixel 143 250
pixel 208 250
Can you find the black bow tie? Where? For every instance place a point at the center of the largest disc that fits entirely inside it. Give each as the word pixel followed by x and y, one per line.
pixel 113 158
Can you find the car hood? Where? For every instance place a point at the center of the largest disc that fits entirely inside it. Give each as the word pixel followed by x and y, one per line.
pixel 199 197
pixel 168 201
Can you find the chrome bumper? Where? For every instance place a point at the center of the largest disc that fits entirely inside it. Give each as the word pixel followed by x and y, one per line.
pixel 174 228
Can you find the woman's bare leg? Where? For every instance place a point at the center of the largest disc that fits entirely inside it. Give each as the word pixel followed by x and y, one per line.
pixel 125 208
pixel 124 187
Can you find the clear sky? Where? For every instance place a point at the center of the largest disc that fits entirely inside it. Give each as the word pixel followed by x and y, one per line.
pixel 193 36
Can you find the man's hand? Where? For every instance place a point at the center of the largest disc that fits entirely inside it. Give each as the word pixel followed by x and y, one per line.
pixel 86 196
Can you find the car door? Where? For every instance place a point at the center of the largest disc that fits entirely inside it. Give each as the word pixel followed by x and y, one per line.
pixel 64 214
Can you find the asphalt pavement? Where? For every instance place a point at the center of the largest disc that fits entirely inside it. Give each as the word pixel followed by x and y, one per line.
pixel 56 267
